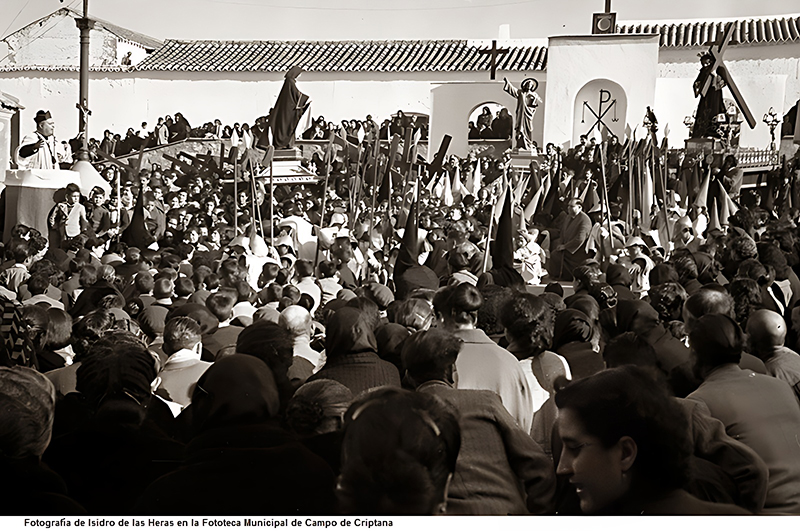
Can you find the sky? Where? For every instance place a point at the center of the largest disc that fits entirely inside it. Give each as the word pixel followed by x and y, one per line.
pixel 377 19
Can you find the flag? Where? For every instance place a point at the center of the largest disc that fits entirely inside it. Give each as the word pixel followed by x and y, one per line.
pixel 530 210
pixel 519 191
pixel 385 191
pixel 591 201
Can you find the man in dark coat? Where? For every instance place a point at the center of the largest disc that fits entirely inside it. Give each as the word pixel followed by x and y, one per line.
pixel 570 251
pixel 289 107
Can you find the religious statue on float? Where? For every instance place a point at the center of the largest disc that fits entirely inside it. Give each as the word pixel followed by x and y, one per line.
pixel 710 105
pixel 38 150
pixel 527 103
pixel 288 110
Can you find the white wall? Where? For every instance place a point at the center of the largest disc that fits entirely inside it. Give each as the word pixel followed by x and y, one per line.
pixel 119 100
pixel 628 60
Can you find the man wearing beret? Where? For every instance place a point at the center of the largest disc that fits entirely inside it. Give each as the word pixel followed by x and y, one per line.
pixel 37 151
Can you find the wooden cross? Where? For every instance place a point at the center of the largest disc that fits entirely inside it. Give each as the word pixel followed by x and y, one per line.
pixel 717 50
pixel 494 52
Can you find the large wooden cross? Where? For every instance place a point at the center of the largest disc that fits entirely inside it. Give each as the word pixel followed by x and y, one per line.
pixel 717 50
pixel 494 51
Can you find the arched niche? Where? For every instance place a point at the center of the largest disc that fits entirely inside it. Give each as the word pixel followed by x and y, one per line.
pixel 494 108
pixel 600 103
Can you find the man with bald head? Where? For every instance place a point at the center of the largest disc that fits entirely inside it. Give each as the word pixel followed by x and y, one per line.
pixel 297 320
pixel 766 332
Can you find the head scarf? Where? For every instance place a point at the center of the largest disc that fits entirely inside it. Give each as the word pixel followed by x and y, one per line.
pixel 705 268
pixel 238 389
pixel 639 313
pixel 617 275
pixel 571 325
pixel 348 331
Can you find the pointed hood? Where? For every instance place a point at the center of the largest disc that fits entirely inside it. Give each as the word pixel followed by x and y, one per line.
pixel 503 246
pixel 409 248
pixel 137 234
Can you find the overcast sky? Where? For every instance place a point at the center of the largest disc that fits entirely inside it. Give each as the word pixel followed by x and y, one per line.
pixel 377 19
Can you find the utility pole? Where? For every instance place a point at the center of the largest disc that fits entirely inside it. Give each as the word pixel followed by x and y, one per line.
pixel 85 25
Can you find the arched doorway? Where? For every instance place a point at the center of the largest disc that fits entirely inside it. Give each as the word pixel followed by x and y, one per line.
pixel 600 104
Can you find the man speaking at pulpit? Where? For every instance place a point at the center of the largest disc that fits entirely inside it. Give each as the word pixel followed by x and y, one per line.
pixel 32 190
pixel 37 150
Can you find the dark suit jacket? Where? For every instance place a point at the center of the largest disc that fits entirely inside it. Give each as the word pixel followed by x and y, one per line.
pixel 496 458
pixel 763 413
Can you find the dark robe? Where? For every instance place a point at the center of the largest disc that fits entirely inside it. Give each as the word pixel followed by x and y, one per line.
pixel 289 107
pixel 709 106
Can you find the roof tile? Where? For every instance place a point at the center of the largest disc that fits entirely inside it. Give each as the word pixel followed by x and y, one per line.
pixel 746 31
pixel 341 56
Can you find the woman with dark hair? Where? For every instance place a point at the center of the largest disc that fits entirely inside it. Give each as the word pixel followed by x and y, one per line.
pixel 625 447
pixel 746 295
pixel 399 453
pixel 772 297
pixel 528 323
pixel 85 332
pixel 239 459
pixel 482 364
pixel 572 339
pixel 56 350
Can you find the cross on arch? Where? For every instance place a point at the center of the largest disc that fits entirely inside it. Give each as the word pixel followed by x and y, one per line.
pixel 494 51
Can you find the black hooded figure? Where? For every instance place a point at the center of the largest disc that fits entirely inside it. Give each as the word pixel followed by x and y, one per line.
pixel 288 110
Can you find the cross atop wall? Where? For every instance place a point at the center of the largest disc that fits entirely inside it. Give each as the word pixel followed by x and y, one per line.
pixel 494 51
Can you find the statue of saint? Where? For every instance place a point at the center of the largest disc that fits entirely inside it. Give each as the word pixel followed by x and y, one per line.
pixel 710 104
pixel 527 102
pixel 289 107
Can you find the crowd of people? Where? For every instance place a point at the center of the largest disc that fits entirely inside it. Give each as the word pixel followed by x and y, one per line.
pixel 474 343
pixel 170 129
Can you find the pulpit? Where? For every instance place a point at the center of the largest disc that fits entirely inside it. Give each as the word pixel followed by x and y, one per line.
pixel 30 196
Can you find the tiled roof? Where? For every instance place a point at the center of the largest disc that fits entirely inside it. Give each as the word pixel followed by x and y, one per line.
pixel 746 31
pixel 62 68
pixel 338 56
